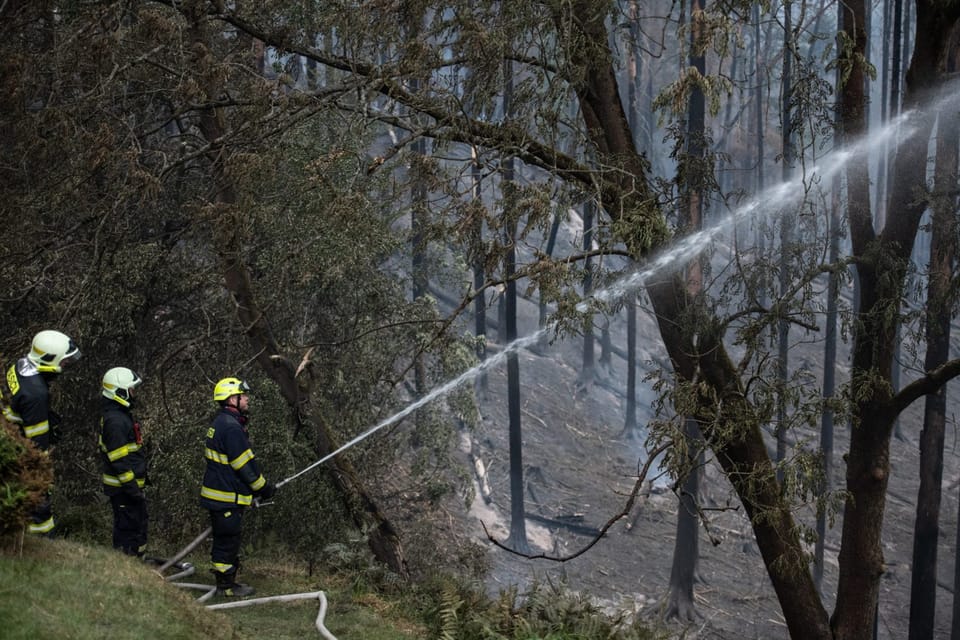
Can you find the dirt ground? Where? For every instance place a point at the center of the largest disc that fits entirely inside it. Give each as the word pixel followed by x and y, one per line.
pixel 580 469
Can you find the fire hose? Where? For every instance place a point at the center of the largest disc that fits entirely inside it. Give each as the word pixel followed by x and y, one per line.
pixel 439 391
pixel 203 536
pixel 187 569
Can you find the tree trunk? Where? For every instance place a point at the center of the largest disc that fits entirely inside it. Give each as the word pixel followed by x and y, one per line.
pixel 418 247
pixel 881 270
pixel 786 236
pixel 829 349
pixel 955 620
pixel 759 124
pixel 518 525
pixel 587 370
pixel 900 53
pixel 881 192
pixel 630 427
pixel 479 270
pixel 943 251
pixel 686 549
pixel 543 342
pixel 680 602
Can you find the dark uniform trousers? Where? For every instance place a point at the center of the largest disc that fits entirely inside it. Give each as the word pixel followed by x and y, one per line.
pixel 129 523
pixel 227 529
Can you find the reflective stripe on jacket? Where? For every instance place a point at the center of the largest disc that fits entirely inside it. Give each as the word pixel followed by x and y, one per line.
pixel 232 475
pixel 29 398
pixel 121 449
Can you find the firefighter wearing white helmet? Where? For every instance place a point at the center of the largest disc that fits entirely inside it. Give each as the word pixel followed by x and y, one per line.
pixel 124 462
pixel 27 402
pixel 231 482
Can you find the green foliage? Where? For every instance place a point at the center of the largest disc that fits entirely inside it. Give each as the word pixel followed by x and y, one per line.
pixel 675 96
pixel 545 611
pixel 25 475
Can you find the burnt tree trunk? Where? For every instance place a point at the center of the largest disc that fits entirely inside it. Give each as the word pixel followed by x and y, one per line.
pixel 518 524
pixel 943 251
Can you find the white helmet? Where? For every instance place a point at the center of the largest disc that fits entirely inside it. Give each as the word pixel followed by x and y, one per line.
pixel 118 382
pixel 51 350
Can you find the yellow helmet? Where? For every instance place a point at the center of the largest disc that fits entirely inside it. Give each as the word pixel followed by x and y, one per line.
pixel 118 382
pixel 229 387
pixel 51 350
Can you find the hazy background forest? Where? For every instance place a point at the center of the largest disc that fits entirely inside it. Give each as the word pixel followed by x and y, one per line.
pixel 732 224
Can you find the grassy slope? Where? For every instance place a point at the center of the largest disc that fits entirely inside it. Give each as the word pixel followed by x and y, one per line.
pixel 65 590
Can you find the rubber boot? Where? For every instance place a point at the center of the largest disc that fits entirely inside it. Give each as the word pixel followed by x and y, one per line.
pixel 227 586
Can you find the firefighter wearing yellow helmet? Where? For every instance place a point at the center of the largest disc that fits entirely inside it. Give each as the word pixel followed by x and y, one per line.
pixel 124 462
pixel 231 482
pixel 27 403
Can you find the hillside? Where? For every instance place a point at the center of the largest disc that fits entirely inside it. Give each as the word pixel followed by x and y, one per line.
pixel 579 469
pixel 66 590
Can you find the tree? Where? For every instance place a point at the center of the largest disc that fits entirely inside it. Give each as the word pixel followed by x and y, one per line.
pixel 881 270
pixel 587 372
pixel 630 427
pixel 940 302
pixel 686 551
pixel 787 230
pixel 829 357
pixel 479 267
pixel 518 518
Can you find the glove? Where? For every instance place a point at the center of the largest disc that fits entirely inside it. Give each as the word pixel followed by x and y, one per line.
pixel 267 491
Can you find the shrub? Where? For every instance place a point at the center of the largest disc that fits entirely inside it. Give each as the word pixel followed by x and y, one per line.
pixel 26 474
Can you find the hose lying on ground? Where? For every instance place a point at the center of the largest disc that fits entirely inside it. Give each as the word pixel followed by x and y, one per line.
pixel 187 569
pixel 203 536
pixel 285 598
pixel 183 552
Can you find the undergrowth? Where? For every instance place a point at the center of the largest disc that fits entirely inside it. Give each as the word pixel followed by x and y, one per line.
pixel 544 612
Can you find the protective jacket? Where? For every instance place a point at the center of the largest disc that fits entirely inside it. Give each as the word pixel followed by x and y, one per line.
pixel 28 402
pixel 232 477
pixel 121 450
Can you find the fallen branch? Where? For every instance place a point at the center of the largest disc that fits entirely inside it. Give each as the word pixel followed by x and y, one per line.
pixel 603 530
pixel 574 527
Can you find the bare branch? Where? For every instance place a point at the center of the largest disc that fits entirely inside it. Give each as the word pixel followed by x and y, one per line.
pixel 603 530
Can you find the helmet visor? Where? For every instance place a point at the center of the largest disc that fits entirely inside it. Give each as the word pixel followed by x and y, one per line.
pixel 71 356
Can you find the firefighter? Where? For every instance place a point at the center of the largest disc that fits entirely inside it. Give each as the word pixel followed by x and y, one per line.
pixel 124 462
pixel 27 403
pixel 231 483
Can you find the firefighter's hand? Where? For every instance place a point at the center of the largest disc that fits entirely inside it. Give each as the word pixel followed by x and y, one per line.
pixel 267 491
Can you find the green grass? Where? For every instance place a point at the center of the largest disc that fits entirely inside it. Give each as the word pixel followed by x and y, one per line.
pixel 70 591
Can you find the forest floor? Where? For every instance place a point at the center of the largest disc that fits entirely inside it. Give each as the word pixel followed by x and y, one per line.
pixel 580 469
